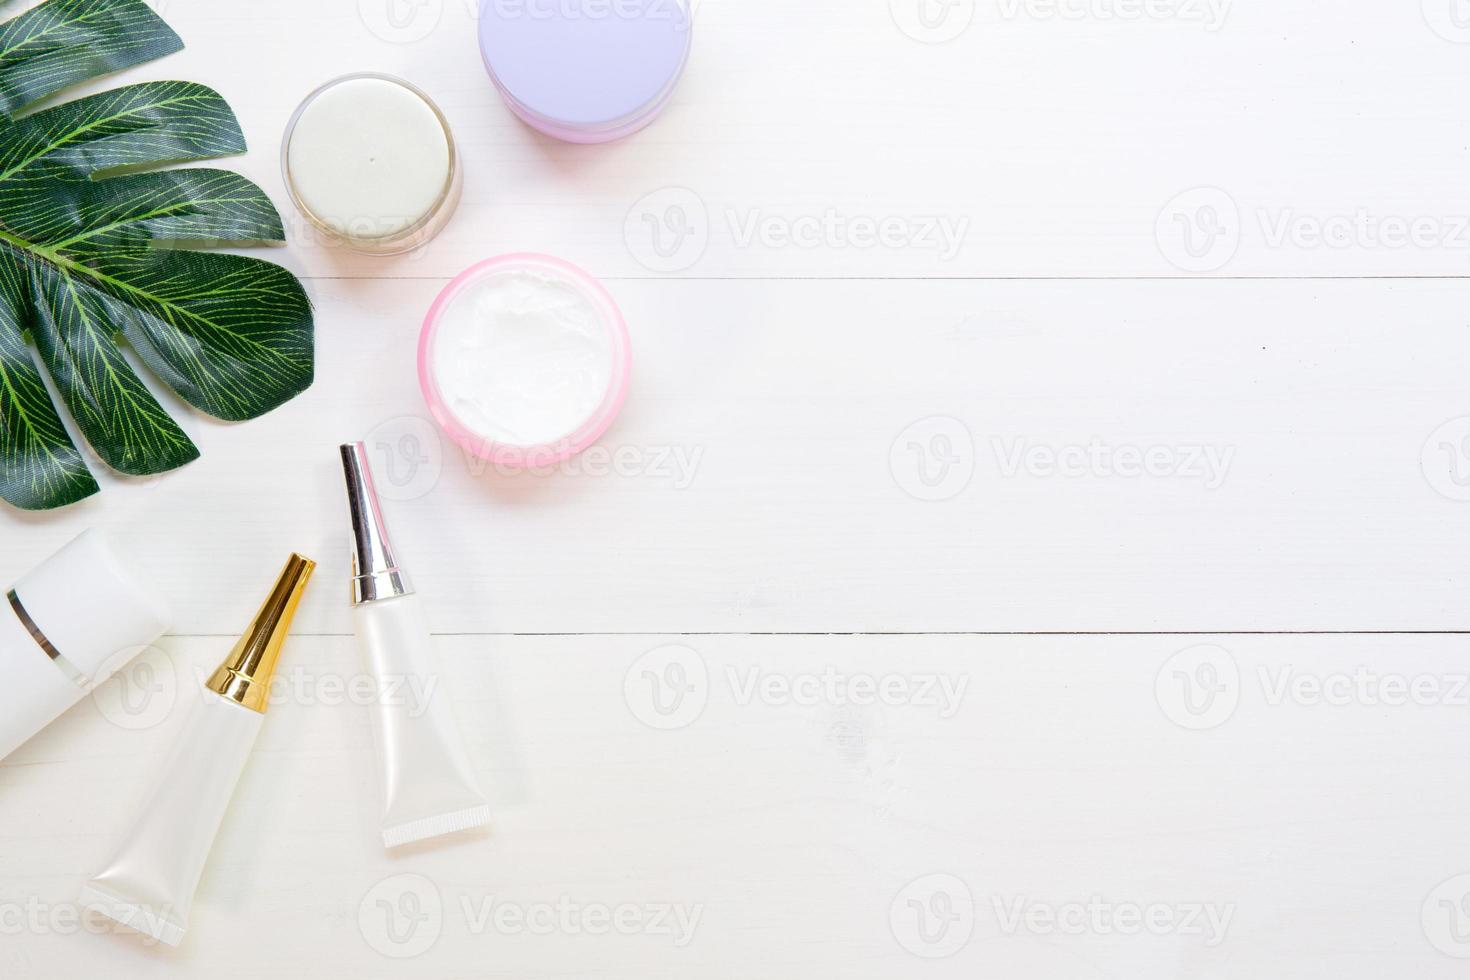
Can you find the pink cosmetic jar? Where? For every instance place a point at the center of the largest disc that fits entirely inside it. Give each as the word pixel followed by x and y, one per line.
pixel 524 360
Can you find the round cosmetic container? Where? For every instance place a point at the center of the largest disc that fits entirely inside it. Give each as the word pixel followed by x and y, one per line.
pixel 524 360
pixel 369 160
pixel 586 71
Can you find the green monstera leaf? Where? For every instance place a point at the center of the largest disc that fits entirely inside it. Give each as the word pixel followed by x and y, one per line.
pixel 94 258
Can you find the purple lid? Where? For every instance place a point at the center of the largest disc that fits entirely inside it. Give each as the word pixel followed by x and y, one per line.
pixel 585 70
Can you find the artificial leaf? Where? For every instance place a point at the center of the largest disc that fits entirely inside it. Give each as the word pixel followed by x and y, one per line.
pixel 95 257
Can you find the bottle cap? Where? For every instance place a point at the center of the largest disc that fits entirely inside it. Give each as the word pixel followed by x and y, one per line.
pixel 581 74
pixel 245 676
pixel 89 608
pixel 375 572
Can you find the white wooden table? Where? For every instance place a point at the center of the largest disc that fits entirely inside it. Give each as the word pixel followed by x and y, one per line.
pixel 1035 544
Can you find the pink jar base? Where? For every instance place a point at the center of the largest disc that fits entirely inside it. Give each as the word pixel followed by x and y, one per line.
pixel 591 429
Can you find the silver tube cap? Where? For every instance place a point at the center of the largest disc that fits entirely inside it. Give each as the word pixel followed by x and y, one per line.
pixel 375 572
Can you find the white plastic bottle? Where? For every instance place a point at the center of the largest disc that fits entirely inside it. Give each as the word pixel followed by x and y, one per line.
pixel 149 883
pixel 68 626
pixel 429 784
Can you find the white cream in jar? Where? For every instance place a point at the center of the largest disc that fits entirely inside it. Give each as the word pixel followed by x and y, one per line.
pixel 524 360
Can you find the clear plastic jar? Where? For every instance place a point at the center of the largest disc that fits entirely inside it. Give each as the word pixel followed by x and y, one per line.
pixel 370 161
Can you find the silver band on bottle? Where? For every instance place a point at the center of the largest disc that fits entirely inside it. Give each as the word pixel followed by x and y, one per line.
pixel 43 641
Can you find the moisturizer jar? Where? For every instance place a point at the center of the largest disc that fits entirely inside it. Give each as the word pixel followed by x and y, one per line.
pixel 586 71
pixel 524 360
pixel 369 160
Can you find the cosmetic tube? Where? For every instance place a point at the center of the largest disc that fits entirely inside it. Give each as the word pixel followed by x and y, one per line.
pixel 149 883
pixel 66 627
pixel 429 785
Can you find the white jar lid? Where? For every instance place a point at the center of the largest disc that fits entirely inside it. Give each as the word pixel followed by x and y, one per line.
pixel 89 607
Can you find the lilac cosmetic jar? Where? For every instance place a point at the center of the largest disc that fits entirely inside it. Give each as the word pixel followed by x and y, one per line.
pixel 586 71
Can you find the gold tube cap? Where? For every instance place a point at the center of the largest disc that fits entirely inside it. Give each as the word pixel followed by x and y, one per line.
pixel 245 676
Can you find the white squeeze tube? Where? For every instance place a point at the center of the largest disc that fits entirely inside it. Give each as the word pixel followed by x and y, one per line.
pixel 149 883
pixel 429 784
